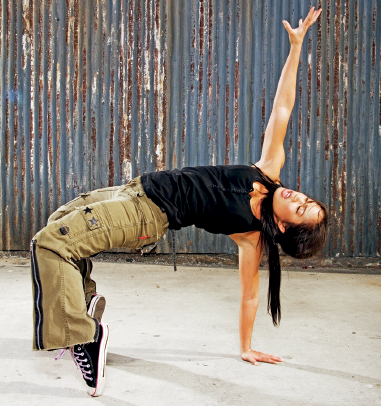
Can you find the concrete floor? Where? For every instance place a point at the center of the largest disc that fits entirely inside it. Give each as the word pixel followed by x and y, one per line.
pixel 174 340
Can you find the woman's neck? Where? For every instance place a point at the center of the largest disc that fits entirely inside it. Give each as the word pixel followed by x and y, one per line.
pixel 257 195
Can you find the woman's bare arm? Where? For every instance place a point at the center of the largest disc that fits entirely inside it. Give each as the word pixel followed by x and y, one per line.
pixel 273 156
pixel 250 255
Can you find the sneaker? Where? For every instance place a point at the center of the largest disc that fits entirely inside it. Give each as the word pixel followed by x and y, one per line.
pixel 96 307
pixel 91 359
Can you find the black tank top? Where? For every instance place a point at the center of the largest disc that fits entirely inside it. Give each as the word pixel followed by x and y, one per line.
pixel 215 198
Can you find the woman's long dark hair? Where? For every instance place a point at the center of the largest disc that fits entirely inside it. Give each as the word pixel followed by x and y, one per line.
pixel 300 241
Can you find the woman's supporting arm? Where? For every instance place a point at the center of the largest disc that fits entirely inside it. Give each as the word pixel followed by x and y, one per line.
pixel 250 255
pixel 273 156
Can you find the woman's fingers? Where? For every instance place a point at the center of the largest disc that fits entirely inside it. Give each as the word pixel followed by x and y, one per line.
pixel 249 356
pixel 253 360
pixel 311 13
pixel 317 13
pixel 270 358
pixel 312 17
pixel 254 357
pixel 309 20
pixel 287 26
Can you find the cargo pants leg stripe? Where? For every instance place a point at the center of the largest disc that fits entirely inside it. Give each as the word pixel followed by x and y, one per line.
pixel 38 312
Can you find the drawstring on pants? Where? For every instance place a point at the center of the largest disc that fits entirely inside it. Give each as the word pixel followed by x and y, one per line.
pixel 174 249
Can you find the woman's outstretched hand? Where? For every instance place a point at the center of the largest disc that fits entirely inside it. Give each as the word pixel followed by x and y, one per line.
pixel 254 357
pixel 296 35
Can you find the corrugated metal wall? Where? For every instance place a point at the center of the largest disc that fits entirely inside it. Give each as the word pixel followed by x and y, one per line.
pixel 96 92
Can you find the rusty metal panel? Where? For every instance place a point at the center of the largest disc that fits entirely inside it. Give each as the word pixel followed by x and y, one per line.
pixel 95 92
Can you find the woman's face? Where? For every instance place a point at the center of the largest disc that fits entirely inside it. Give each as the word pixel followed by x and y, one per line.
pixel 292 207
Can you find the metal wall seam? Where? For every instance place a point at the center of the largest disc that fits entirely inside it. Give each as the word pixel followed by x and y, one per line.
pixel 4 29
pixel 376 128
pixel 339 29
pixel 359 175
pixel 45 195
pixel 12 105
pixel 17 241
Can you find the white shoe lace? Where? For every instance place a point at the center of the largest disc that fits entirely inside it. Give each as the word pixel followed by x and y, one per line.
pixel 77 360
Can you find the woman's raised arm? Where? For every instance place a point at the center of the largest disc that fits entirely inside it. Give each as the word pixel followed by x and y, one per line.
pixel 272 157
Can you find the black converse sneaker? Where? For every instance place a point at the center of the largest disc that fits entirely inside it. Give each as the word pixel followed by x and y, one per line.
pixel 96 307
pixel 91 358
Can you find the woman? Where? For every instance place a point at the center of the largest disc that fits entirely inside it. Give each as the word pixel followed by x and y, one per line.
pixel 247 203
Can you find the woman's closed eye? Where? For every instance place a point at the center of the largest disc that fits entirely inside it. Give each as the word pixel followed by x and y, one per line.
pixel 303 207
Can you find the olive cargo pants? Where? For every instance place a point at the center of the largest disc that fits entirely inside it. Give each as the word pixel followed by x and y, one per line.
pixel 121 216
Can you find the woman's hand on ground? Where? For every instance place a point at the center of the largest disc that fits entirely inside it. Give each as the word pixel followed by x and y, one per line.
pixel 254 357
pixel 296 35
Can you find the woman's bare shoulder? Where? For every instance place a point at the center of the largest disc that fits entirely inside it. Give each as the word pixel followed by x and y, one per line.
pixel 270 170
pixel 248 239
